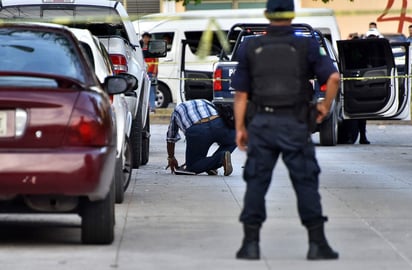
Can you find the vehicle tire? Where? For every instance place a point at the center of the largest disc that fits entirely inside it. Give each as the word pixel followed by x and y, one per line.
pixel 348 132
pixel 146 141
pixel 119 179
pixel 128 164
pixel 136 139
pixel 328 131
pixel 98 219
pixel 163 96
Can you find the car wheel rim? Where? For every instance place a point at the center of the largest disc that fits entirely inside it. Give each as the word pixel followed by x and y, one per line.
pixel 127 165
pixel 160 99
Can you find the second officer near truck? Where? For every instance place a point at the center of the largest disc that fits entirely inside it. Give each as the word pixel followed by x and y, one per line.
pixel 274 71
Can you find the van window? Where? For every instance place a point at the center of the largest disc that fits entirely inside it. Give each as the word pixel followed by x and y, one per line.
pixel 196 36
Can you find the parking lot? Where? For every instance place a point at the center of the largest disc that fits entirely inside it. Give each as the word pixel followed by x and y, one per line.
pixel 191 222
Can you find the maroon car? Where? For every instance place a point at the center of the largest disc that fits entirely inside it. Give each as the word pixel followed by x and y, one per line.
pixel 57 129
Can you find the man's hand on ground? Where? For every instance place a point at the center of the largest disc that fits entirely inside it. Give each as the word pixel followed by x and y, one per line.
pixel 172 164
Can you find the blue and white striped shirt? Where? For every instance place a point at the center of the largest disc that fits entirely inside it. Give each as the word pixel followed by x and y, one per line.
pixel 186 114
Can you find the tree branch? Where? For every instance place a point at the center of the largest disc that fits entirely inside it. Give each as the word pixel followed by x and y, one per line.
pixel 185 2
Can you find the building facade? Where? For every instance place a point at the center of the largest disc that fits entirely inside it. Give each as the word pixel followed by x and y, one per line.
pixel 352 16
pixel 231 4
pixel 136 7
pixel 391 16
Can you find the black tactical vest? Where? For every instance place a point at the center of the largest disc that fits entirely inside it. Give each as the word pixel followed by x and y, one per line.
pixel 279 71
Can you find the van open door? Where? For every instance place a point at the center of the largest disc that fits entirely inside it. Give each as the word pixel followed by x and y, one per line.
pixel 374 85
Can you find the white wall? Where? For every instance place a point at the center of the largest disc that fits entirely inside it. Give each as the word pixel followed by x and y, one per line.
pixel 168 6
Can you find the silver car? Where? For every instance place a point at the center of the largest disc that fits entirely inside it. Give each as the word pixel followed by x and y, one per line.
pixel 102 65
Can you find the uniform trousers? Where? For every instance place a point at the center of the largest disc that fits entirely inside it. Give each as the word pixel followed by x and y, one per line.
pixel 269 136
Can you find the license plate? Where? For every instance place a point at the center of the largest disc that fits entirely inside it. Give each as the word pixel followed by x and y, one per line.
pixel 6 123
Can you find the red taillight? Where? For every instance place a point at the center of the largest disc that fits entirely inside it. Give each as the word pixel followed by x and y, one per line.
pixel 323 88
pixel 119 63
pixel 217 80
pixel 86 129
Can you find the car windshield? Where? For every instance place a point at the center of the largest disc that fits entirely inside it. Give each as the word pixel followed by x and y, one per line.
pixel 298 31
pixel 398 50
pixel 51 11
pixel 101 21
pixel 38 52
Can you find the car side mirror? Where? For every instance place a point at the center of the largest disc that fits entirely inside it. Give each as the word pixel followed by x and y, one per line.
pixel 114 85
pixel 155 49
pixel 131 80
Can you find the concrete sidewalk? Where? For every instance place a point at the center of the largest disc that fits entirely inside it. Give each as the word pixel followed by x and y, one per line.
pixel 191 222
pixel 171 222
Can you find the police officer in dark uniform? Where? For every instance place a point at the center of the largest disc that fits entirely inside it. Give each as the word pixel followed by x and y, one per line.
pixel 273 73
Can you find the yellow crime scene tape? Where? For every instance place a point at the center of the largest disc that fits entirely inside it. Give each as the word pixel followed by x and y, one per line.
pixel 342 78
pixel 206 40
pixel 375 78
pixel 278 15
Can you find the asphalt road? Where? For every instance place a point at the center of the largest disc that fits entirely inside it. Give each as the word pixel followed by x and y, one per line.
pixel 191 222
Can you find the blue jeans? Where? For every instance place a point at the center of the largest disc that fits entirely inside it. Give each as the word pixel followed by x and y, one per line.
pixel 152 95
pixel 269 136
pixel 200 137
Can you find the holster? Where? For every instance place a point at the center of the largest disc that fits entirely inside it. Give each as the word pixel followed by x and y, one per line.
pixel 312 115
pixel 308 114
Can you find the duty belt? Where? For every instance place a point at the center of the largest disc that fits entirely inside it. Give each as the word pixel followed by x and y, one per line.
pixel 276 110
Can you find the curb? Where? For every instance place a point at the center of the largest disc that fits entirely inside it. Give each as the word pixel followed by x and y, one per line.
pixel 162 116
pixel 388 122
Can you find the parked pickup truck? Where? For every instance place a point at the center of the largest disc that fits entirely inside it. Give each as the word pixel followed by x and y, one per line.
pixel 128 58
pixel 225 68
pixel 375 82
pixel 109 21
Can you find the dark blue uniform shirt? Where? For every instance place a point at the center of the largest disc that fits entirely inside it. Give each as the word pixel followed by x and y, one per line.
pixel 320 63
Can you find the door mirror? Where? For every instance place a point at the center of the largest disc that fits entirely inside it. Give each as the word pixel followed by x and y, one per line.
pixel 115 85
pixel 131 80
pixel 155 49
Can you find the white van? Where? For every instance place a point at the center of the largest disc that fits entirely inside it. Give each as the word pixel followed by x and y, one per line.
pixel 190 25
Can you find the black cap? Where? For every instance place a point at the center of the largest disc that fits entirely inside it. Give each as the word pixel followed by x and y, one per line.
pixel 284 9
pixel 147 34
